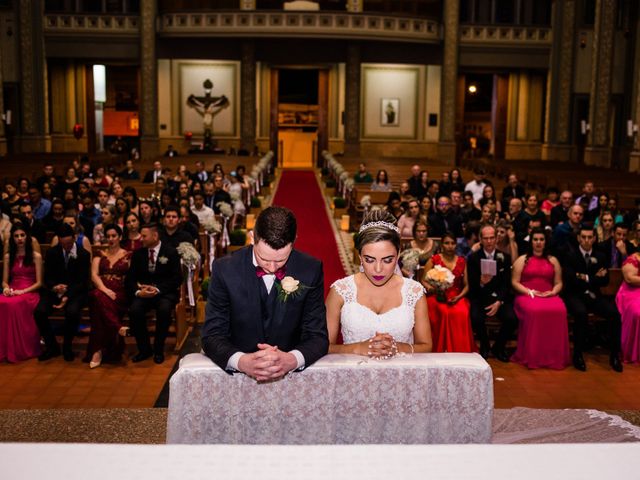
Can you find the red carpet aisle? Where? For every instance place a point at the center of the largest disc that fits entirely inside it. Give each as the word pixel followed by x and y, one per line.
pixel 299 191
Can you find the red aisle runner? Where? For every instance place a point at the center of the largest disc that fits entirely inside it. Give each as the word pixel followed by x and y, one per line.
pixel 299 191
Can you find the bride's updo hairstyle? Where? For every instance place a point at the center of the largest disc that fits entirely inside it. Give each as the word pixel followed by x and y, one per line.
pixel 378 226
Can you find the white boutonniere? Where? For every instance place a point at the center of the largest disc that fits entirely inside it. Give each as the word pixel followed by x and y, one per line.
pixel 593 260
pixel 163 260
pixel 73 255
pixel 500 256
pixel 289 287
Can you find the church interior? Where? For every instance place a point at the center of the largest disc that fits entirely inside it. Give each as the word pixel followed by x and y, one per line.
pixel 124 112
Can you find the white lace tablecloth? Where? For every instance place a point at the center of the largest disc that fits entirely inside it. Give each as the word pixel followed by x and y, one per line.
pixel 422 398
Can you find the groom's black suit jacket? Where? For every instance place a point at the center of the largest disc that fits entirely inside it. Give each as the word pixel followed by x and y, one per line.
pixel 235 316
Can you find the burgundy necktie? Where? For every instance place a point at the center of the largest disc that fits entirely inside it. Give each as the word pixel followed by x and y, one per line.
pixel 280 273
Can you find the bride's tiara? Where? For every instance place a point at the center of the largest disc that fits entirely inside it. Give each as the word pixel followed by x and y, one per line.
pixel 387 225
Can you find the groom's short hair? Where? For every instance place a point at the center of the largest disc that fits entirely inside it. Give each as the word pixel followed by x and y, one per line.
pixel 276 226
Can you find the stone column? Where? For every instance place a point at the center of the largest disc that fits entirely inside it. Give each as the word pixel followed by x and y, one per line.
pixel 598 151
pixel 634 158
pixel 3 140
pixel 449 83
pixel 149 147
pixel 248 96
pixel 33 100
pixel 352 101
pixel 557 136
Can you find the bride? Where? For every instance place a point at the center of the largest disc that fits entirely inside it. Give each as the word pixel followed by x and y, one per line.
pixel 379 312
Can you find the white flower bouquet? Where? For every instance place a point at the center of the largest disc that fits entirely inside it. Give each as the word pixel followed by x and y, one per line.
pixel 365 201
pixel 189 255
pixel 410 259
pixel 225 209
pixel 212 226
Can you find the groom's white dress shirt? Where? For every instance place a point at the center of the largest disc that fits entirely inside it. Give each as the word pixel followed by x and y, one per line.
pixel 268 279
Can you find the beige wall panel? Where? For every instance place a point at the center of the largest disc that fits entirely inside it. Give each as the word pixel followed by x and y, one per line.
pixel 432 95
pixel 400 85
pixel 226 81
pixel 165 106
pixel 57 79
pixel 398 149
pixel 522 130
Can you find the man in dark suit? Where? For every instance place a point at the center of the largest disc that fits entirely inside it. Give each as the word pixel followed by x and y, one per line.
pixel 36 228
pixel 153 282
pixel 200 175
pixel 152 175
pixel 490 295
pixel 66 281
pixel 617 248
pixel 444 220
pixel 560 213
pixel 215 193
pixel 512 189
pixel 259 321
pixel 172 234
pixel 584 272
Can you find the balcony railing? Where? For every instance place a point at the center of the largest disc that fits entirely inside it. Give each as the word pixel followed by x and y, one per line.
pixel 287 24
pixel 505 36
pixel 63 24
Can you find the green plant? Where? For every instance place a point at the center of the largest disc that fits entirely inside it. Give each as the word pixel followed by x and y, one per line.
pixel 204 288
pixel 325 172
pixel 255 202
pixel 238 237
pixel 330 183
pixel 339 202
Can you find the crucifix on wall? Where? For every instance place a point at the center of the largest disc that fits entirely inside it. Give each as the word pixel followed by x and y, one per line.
pixel 208 107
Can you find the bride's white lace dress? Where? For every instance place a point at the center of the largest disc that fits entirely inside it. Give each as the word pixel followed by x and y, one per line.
pixel 359 323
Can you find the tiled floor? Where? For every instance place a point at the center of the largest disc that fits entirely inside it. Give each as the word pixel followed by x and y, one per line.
pixel 58 384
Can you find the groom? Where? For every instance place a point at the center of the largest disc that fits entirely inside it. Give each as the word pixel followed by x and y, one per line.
pixel 258 320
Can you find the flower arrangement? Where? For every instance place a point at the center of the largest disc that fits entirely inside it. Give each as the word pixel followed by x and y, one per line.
pixel 225 209
pixel 365 201
pixel 349 183
pixel 440 278
pixel 344 176
pixel 235 196
pixel 212 226
pixel 189 255
pixel 410 259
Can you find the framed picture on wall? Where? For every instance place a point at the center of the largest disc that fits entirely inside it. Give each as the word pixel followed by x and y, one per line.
pixel 390 112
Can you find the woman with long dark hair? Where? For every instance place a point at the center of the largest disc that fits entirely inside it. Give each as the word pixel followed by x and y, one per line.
pixel 131 196
pixel 543 336
pixel 132 238
pixel 21 280
pixel 108 301
pixel 449 311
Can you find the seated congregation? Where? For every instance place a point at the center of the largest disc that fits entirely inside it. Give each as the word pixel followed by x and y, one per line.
pixel 464 262
pixel 535 270
pixel 87 248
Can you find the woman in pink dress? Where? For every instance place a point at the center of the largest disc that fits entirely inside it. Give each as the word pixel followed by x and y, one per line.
pixel 543 337
pixel 450 319
pixel 108 301
pixel 21 280
pixel 628 302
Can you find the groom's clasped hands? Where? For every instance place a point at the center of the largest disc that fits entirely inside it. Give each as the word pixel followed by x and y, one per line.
pixel 268 363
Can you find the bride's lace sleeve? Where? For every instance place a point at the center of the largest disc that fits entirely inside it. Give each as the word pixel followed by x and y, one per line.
pixel 414 291
pixel 345 289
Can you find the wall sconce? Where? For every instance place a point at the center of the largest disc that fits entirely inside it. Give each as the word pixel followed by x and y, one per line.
pixel 632 128
pixel 344 223
pixel 251 221
pixel 583 40
pixel 584 127
pixel 473 89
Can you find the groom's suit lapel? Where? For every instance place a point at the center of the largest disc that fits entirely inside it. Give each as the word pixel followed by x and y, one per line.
pixel 253 285
pixel 280 308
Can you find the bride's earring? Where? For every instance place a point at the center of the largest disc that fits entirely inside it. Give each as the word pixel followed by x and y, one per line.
pixel 361 268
